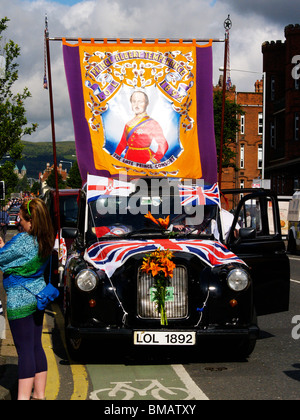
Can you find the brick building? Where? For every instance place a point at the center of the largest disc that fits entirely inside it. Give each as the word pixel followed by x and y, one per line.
pixel 282 136
pixel 248 144
pixel 44 176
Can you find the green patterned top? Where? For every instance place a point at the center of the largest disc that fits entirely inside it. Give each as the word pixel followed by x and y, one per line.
pixel 21 264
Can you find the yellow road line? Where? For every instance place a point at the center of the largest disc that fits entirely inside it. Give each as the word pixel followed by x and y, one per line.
pixel 53 381
pixel 79 372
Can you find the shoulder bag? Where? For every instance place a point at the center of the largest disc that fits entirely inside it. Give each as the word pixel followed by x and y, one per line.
pixel 45 296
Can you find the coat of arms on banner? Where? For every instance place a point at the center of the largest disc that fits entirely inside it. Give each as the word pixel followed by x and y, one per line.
pixel 141 105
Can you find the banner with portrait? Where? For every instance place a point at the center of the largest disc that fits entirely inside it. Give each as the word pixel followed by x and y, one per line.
pixel 145 109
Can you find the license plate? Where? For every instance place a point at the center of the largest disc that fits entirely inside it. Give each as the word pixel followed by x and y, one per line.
pixel 164 338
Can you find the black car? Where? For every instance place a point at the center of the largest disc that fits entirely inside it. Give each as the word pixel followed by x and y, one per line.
pixel 67 216
pixel 223 277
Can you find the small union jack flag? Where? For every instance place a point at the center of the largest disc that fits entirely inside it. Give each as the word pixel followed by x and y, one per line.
pixel 196 195
pixel 98 186
pixel 110 255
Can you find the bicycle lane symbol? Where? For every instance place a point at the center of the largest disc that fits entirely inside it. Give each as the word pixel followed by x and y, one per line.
pixel 127 391
pixel 118 382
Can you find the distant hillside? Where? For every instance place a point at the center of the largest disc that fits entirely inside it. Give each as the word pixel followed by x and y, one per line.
pixel 37 155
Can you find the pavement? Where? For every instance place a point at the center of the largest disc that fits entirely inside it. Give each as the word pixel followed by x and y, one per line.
pixel 8 367
pixel 8 354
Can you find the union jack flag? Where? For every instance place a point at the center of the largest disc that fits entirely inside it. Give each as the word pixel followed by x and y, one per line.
pixel 98 186
pixel 196 195
pixel 110 255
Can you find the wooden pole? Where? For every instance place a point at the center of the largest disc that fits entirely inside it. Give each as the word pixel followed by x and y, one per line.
pixel 223 112
pixel 56 201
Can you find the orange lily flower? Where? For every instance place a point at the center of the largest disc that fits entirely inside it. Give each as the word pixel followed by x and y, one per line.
pixel 164 223
pixel 155 268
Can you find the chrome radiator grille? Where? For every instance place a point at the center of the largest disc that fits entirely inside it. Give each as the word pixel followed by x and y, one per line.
pixel 177 305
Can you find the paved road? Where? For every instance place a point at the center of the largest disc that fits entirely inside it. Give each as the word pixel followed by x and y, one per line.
pixel 114 373
pixel 272 372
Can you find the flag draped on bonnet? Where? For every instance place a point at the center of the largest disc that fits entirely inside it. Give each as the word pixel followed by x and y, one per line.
pixel 145 109
pixel 111 255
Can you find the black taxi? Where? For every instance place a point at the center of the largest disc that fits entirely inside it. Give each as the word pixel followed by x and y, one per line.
pixel 228 268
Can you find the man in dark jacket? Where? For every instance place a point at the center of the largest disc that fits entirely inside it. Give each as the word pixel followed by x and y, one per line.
pixel 4 222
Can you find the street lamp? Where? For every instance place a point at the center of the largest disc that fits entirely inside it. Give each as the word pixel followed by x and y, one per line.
pixel 66 161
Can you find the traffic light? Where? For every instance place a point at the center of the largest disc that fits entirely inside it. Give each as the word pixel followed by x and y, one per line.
pixel 2 190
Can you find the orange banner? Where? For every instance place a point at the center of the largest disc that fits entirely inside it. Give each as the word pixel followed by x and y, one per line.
pixel 141 105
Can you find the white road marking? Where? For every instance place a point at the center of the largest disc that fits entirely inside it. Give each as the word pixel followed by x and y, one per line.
pixel 295 281
pixel 193 388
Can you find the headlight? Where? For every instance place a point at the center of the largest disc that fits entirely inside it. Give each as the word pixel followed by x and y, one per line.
pixel 86 280
pixel 238 279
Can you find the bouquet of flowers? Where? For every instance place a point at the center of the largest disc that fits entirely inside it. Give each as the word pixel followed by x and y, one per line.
pixel 159 264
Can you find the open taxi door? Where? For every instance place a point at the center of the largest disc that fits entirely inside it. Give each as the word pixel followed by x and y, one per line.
pixel 255 236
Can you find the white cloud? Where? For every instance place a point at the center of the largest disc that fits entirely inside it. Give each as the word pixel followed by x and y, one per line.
pixel 253 23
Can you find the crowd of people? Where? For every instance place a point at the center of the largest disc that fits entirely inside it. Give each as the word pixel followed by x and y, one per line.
pixel 11 209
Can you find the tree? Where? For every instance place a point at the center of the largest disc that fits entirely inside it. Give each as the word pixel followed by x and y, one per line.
pixel 51 181
pixel 74 179
pixel 13 122
pixel 35 188
pixel 22 185
pixel 8 175
pixel 231 127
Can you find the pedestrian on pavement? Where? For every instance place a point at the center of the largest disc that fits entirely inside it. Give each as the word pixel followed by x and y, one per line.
pixel 4 222
pixel 23 260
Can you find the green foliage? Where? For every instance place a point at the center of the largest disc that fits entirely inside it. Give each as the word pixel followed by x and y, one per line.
pixel 36 155
pixel 35 188
pixel 22 185
pixel 9 177
pixel 74 180
pixel 13 122
pixel 51 181
pixel 231 127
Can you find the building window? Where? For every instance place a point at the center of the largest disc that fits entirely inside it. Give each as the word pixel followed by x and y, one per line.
pixel 260 123
pixel 272 134
pixel 260 157
pixel 242 124
pixel 272 88
pixel 296 126
pixel 242 156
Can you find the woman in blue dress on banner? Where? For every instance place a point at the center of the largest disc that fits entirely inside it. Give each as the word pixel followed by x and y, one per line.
pixel 23 260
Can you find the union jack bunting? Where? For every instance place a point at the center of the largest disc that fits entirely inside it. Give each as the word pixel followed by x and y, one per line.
pixel 196 195
pixel 110 255
pixel 61 249
pixel 98 186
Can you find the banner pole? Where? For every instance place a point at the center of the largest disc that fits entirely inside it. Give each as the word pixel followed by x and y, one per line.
pixel 56 201
pixel 136 40
pixel 227 25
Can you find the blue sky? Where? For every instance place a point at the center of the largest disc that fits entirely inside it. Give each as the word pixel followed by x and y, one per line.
pixel 253 22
